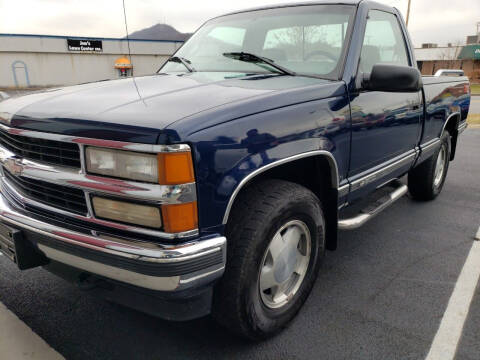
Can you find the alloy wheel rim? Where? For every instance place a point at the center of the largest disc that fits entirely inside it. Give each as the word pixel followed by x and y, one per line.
pixel 440 167
pixel 285 264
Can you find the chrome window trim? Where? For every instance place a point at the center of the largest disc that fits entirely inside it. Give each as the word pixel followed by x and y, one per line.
pixel 383 170
pixel 83 141
pixel 245 180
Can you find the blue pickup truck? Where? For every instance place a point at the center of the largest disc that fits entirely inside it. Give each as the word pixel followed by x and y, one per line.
pixel 217 184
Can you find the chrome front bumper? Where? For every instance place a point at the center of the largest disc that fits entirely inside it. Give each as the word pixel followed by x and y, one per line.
pixel 147 265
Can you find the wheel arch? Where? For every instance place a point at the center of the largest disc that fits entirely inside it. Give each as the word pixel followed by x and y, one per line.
pixel 323 182
pixel 451 124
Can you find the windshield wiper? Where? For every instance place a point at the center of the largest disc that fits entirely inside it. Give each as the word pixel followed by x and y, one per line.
pixel 252 58
pixel 185 62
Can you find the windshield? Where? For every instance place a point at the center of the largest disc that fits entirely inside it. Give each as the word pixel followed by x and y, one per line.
pixel 308 40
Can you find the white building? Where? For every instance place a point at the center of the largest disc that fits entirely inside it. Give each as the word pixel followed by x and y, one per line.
pixel 43 60
pixel 438 53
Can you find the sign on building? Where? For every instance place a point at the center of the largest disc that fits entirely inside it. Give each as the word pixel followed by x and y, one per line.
pixel 84 45
pixel 470 52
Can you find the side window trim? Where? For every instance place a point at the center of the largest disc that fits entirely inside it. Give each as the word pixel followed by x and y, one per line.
pixel 405 42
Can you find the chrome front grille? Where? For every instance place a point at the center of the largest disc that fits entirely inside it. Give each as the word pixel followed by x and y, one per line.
pixel 49 151
pixel 35 177
pixel 58 196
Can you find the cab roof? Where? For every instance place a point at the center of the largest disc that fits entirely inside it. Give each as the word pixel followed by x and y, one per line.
pixel 303 3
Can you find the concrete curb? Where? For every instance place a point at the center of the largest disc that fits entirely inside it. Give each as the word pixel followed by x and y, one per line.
pixel 18 341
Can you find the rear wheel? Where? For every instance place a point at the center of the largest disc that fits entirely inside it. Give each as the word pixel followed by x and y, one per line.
pixel 426 181
pixel 276 240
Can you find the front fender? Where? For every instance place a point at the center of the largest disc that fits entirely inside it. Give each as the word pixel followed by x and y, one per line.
pixel 231 154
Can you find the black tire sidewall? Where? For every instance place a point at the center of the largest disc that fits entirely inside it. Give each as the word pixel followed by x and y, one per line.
pixel 266 320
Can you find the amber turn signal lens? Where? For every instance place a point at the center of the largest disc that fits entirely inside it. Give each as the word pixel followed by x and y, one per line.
pixel 180 217
pixel 175 168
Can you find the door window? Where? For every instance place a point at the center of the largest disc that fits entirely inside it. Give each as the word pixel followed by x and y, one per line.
pixel 383 42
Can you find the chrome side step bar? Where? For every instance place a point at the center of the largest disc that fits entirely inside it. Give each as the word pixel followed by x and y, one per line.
pixel 374 209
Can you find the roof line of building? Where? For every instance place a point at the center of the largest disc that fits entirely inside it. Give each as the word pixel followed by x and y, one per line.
pixel 87 38
pixel 442 47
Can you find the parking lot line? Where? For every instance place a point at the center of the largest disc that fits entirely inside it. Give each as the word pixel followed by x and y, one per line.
pixel 449 333
pixel 18 341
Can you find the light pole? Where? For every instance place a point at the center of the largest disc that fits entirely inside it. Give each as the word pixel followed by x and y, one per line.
pixel 408 11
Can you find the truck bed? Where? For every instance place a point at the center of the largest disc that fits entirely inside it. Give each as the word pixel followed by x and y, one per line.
pixel 444 96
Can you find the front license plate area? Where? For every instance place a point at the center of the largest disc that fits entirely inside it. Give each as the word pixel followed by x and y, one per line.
pixel 7 243
pixel 19 250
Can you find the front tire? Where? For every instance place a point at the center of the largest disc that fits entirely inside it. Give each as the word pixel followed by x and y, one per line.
pixel 276 240
pixel 426 180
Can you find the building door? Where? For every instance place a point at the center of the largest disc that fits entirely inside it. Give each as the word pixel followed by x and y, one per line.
pixel 20 74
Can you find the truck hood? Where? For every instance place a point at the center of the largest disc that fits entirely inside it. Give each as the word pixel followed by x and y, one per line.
pixel 138 109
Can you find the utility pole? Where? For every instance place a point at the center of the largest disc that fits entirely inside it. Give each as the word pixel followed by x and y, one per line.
pixel 408 11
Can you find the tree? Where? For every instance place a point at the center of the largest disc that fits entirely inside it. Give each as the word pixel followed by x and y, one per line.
pixel 451 53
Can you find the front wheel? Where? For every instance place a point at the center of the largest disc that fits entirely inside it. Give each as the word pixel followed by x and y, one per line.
pixel 426 181
pixel 276 240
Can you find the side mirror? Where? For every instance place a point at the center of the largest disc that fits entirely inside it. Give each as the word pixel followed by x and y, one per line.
pixel 393 78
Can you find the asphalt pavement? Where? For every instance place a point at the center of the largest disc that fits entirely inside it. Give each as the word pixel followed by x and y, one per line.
pixel 475 105
pixel 381 295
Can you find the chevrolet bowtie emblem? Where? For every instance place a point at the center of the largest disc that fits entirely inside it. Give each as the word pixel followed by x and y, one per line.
pixel 13 166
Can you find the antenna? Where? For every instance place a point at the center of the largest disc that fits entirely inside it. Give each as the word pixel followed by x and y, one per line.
pixel 408 11
pixel 128 37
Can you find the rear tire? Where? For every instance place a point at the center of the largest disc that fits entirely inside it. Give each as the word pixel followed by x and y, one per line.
pixel 426 180
pixel 276 240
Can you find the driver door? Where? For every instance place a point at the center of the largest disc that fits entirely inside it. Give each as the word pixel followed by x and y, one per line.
pixel 385 126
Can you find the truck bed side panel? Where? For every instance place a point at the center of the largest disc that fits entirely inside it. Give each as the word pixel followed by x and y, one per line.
pixel 444 96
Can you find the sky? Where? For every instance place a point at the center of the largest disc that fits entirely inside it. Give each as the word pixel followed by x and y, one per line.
pixel 437 21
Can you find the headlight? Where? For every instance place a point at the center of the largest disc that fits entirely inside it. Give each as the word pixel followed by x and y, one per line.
pixel 122 164
pixel 164 168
